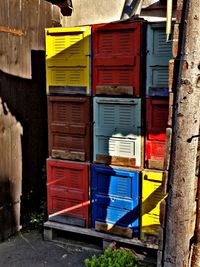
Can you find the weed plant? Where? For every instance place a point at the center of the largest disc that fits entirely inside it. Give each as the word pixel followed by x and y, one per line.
pixel 113 258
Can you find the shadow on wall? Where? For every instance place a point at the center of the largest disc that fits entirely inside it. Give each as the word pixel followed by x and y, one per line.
pixel 10 172
pixel 9 211
pixel 26 99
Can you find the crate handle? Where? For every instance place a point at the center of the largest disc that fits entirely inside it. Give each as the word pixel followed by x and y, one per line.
pixel 151 180
pixel 116 101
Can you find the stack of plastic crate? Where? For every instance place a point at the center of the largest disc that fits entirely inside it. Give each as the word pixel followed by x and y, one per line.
pixel 68 67
pixel 117 126
pixel 107 88
pixel 156 101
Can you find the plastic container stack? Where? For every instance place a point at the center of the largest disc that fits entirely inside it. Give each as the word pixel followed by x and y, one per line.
pixel 159 52
pixel 68 73
pixel 107 90
pixel 118 143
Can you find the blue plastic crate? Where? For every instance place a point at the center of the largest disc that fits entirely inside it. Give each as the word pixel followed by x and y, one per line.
pixel 159 52
pixel 115 197
pixel 117 130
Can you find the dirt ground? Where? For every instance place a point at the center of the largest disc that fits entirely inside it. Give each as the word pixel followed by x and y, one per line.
pixel 30 250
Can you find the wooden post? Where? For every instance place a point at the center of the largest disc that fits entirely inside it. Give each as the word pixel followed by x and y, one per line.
pixel 182 183
pixel 169 19
pixel 196 250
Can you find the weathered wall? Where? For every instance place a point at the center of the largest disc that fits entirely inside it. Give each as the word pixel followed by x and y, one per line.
pixel 27 100
pixel 94 11
pixel 22 26
pixel 11 172
pixel 23 91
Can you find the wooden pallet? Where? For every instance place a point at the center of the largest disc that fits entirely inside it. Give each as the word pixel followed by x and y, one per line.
pixel 145 252
pixel 51 228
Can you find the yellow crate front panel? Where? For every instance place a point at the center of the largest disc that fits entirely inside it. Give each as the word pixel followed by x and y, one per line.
pixel 151 197
pixel 68 62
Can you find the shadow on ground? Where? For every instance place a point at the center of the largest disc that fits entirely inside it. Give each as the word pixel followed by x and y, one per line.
pixel 30 250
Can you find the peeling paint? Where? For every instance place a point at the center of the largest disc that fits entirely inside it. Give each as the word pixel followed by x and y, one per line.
pixel 12 31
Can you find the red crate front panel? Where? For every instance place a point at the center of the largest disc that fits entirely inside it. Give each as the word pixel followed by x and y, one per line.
pixel 66 147
pixel 115 76
pixel 116 57
pixel 157 111
pixel 69 127
pixel 65 206
pixel 69 109
pixel 76 143
pixel 67 188
pixel 155 150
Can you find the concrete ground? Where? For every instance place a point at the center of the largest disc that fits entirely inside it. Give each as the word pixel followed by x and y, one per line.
pixel 30 250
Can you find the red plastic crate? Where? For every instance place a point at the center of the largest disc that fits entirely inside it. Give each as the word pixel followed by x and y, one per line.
pixel 117 49
pixel 154 154
pixel 156 123
pixel 69 127
pixel 67 192
pixel 157 111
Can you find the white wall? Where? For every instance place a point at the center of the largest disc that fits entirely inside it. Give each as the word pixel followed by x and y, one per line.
pixel 94 11
pixel 86 12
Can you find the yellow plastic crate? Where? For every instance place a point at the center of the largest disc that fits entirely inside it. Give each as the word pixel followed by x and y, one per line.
pixel 151 197
pixel 68 60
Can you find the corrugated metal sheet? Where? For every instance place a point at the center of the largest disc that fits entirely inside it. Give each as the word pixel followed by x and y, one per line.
pixel 115 197
pixel 117 58
pixel 68 52
pixel 68 192
pixel 117 128
pixel 159 52
pixel 69 127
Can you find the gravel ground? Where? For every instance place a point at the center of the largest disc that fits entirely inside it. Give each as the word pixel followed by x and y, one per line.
pixel 30 250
